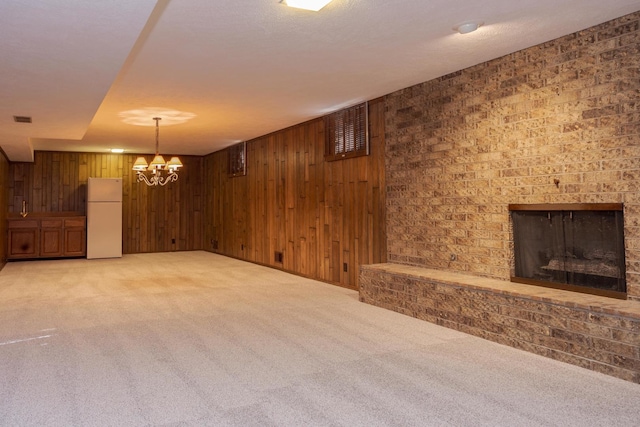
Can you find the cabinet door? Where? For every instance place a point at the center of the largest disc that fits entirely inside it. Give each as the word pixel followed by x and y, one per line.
pixel 51 242
pixel 23 243
pixel 74 241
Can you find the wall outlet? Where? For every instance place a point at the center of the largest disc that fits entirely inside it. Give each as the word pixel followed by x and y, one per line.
pixel 278 257
pixel 173 241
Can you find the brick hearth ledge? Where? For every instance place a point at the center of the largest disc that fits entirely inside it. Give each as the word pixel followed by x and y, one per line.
pixel 597 333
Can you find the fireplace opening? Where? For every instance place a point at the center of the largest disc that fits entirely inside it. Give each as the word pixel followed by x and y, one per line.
pixel 578 247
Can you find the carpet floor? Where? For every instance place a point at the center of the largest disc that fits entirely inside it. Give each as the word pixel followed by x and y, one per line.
pixel 198 339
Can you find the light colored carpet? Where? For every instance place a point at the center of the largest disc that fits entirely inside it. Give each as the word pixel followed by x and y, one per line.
pixel 194 339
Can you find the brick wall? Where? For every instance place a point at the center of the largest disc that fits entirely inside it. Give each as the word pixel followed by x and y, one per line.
pixel 460 148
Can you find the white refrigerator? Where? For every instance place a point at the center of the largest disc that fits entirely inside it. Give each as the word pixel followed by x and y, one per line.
pixel 104 218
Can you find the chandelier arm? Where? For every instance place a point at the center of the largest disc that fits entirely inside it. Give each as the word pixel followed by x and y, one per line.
pixel 143 178
pixel 172 177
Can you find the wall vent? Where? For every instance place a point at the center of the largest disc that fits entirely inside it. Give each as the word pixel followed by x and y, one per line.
pixel 22 119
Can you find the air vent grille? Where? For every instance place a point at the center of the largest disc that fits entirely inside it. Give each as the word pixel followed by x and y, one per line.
pixel 22 119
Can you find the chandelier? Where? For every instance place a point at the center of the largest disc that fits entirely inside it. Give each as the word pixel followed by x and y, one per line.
pixel 158 166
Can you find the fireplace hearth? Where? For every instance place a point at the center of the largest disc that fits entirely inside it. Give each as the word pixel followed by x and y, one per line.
pixel 577 247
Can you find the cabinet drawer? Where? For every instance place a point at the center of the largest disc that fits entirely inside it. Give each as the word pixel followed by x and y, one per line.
pixel 51 223
pixel 74 222
pixel 23 223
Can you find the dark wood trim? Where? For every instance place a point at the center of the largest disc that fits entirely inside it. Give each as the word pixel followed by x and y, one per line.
pixel 279 267
pixel 4 201
pixel 572 288
pixel 567 207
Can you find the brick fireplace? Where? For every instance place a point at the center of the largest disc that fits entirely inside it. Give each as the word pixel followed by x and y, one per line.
pixel 557 123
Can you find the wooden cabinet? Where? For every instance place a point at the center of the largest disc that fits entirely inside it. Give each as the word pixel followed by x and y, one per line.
pixel 75 237
pixel 23 238
pixel 46 237
pixel 51 238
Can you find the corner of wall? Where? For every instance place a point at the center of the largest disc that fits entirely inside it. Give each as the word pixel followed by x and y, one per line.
pixel 4 202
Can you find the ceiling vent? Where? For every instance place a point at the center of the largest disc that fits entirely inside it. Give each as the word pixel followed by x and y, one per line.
pixel 22 119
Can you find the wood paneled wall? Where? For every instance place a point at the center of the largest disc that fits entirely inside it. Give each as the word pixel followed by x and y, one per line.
pixel 323 216
pixel 153 218
pixel 4 196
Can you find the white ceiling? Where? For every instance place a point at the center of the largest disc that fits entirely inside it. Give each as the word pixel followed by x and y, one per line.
pixel 242 68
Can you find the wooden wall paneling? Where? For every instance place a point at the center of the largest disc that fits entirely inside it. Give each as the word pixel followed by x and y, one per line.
pixel 218 199
pixel 210 167
pixel 208 208
pixel 257 195
pixel 221 200
pixel 221 205
pixel 260 158
pixel 232 236
pixel 268 188
pixel 65 182
pixel 312 201
pixel 152 217
pixel 246 216
pixel 239 210
pixel 237 234
pixel 252 193
pixel 302 212
pixel 281 189
pixel 320 214
pixel 271 199
pixel 208 228
pixel 37 198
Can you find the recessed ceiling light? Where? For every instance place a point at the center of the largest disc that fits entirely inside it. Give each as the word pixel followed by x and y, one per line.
pixel 468 27
pixel 141 116
pixel 314 5
pixel 117 150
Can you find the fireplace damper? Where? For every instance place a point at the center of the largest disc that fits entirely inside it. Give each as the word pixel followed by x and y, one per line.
pixel 578 247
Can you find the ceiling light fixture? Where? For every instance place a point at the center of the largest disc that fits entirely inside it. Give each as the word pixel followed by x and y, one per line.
pixel 157 166
pixel 468 27
pixel 314 5
pixel 117 150
pixel 140 116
